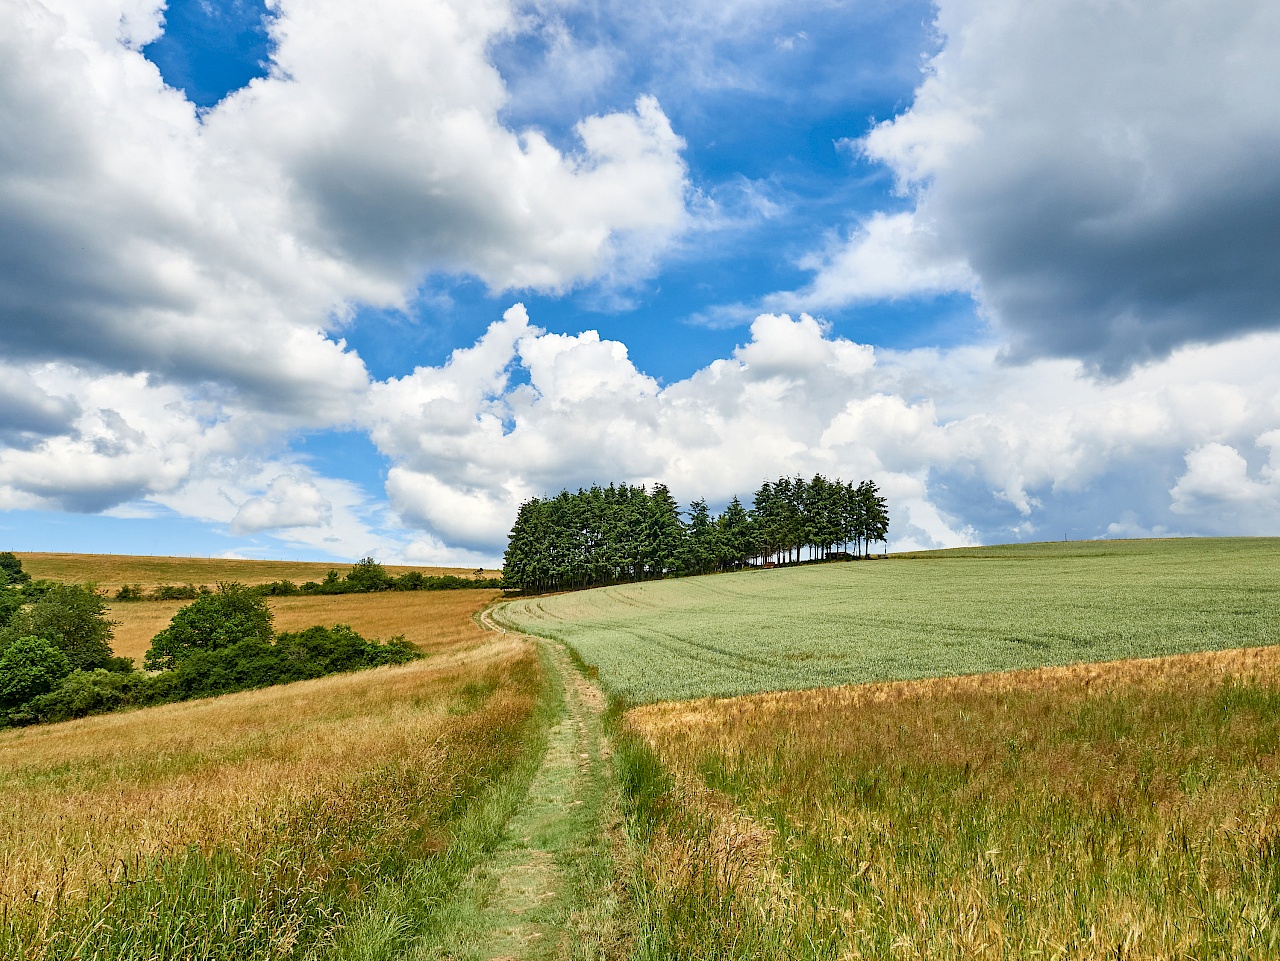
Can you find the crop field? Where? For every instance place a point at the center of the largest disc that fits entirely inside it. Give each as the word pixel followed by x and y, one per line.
pixel 1127 810
pixel 433 620
pixel 112 571
pixel 928 615
pixel 263 824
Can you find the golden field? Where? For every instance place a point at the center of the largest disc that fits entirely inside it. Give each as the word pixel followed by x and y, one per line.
pixel 432 620
pixel 112 571
pixel 1118 810
pixel 301 787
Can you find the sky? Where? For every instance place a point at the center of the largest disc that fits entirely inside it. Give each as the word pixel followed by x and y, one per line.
pixel 319 280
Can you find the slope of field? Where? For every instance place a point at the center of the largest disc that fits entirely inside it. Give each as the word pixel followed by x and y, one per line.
pixel 273 823
pixel 111 571
pixel 926 615
pixel 433 620
pixel 1125 810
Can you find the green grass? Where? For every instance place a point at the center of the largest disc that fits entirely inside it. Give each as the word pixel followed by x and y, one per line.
pixel 922 615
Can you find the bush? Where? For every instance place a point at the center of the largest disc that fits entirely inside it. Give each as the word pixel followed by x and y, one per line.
pixel 11 571
pixel 282 588
pixel 368 576
pixel 88 692
pixel 232 614
pixel 70 617
pixel 29 667
pixel 130 592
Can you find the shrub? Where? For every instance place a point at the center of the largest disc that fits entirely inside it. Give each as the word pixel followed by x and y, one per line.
pixel 232 614
pixel 29 667
pixel 130 592
pixel 70 617
pixel 367 576
pixel 83 693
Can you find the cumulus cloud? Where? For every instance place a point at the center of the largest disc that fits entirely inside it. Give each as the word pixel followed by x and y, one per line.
pixel 289 501
pixel 469 440
pixel 1109 173
pixel 227 246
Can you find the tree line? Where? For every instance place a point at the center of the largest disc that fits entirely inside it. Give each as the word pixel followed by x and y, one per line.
pixel 622 533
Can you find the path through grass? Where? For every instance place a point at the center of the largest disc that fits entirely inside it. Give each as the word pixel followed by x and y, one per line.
pixel 549 890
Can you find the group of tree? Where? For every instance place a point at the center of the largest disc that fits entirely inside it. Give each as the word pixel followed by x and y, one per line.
pixel 622 533
pixel 366 576
pixel 56 661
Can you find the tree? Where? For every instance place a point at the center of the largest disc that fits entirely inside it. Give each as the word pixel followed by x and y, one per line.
pixel 11 571
pixel 29 667
pixel 70 617
pixel 369 575
pixel 232 614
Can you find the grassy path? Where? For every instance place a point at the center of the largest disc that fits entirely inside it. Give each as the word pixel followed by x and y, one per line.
pixel 548 891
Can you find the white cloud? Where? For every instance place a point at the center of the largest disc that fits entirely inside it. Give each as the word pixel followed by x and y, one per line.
pixel 886 258
pixel 469 440
pixel 289 501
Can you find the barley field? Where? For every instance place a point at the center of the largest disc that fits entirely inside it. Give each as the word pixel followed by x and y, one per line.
pixel 112 571
pixel 432 620
pixel 927 615
pixel 1127 810
pixel 267 824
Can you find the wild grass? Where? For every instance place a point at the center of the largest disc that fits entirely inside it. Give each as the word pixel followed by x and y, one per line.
pixel 113 571
pixel 928 615
pixel 432 620
pixel 263 824
pixel 1127 810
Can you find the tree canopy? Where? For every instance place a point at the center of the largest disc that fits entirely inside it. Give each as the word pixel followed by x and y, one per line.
pixel 231 614
pixel 608 535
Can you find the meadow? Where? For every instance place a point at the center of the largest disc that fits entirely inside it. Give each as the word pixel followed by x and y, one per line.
pixel 915 616
pixel 1127 810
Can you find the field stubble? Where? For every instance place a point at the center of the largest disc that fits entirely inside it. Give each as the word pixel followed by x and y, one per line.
pixel 1125 810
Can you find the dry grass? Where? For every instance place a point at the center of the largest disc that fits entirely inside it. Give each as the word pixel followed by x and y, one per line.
pixel 1122 810
pixel 84 801
pixel 111 571
pixel 433 620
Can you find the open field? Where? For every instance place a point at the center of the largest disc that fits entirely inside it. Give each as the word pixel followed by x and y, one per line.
pixel 1127 810
pixel 256 824
pixel 927 615
pixel 433 620
pixel 111 571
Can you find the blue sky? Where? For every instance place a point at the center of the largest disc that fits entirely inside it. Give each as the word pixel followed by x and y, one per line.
pixel 260 268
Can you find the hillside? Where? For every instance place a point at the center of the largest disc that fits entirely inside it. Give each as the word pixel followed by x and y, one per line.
pixel 914 616
pixel 111 571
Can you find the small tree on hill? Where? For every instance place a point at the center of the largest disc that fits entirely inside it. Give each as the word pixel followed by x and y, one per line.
pixel 29 667
pixel 71 618
pixel 232 614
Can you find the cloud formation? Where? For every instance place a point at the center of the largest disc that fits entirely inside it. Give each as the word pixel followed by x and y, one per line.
pixel 1110 174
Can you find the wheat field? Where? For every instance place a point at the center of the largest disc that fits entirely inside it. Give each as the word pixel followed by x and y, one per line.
pixel 1119 810
pixel 432 620
pixel 112 571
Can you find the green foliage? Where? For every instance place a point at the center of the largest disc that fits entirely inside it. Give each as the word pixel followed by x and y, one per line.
pixel 29 666
pixel 11 602
pixel 83 693
pixel 232 614
pixel 621 533
pixel 70 617
pixel 368 576
pixel 11 572
pixel 940 614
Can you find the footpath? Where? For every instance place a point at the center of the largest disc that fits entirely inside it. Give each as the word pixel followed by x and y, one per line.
pixel 548 891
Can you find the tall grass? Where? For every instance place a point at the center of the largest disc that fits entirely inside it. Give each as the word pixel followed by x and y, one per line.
pixel 925 616
pixel 1127 810
pixel 264 824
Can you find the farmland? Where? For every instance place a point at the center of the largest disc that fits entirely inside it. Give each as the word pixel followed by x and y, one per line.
pixel 268 823
pixel 1124 810
pixel 432 620
pixel 112 571
pixel 929 615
